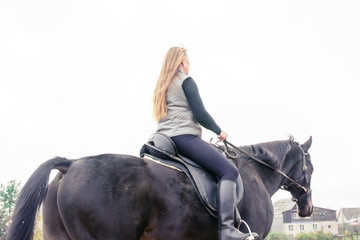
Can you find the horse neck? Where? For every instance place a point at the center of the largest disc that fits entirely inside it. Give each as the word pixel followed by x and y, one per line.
pixel 271 179
pixel 288 165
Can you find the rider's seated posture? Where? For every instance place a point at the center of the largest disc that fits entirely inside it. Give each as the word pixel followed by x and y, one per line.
pixel 180 113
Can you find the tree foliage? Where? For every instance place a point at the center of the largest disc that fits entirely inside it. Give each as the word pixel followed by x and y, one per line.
pixel 276 236
pixel 38 234
pixel 319 235
pixel 3 223
pixel 8 196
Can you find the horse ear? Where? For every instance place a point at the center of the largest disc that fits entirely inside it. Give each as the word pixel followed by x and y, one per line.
pixel 307 144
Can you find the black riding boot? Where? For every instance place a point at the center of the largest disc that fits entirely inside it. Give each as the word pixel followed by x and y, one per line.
pixel 227 201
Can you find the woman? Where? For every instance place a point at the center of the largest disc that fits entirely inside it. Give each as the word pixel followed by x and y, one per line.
pixel 180 113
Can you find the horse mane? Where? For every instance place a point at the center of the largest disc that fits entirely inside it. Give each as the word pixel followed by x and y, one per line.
pixel 292 139
pixel 273 153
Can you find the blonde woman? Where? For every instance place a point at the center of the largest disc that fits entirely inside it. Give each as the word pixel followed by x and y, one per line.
pixel 180 113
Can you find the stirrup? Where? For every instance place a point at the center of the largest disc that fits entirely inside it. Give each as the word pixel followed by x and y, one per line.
pixel 237 219
pixel 251 237
pixel 237 223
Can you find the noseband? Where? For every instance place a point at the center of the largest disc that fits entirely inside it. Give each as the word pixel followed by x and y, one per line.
pixel 305 176
pixel 293 182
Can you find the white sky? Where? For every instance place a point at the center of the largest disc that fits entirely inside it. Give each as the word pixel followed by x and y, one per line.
pixel 76 79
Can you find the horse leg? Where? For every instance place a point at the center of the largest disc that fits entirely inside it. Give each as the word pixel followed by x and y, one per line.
pixel 53 226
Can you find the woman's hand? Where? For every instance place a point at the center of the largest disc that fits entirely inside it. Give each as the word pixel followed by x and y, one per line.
pixel 223 135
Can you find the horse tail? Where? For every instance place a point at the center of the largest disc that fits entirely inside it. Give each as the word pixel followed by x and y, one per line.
pixel 31 197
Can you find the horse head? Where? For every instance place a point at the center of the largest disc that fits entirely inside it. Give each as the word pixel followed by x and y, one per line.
pixel 300 169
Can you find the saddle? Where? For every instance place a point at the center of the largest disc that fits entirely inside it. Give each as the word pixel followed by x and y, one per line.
pixel 161 148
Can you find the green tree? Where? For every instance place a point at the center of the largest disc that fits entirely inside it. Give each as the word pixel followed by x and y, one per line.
pixel 8 196
pixel 3 223
pixel 324 236
pixel 38 234
pixel 276 236
pixel 305 236
pixel 319 235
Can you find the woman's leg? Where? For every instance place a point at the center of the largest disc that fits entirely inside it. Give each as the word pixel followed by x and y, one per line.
pixel 196 149
pixel 207 156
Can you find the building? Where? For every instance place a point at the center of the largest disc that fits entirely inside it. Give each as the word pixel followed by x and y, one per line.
pixel 349 216
pixel 287 220
pixel 349 220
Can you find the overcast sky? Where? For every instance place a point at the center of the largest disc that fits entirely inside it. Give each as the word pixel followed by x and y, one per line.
pixel 76 79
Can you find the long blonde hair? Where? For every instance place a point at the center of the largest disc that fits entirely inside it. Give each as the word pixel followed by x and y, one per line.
pixel 172 61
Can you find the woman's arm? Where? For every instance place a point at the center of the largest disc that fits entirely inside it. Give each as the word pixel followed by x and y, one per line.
pixel 197 107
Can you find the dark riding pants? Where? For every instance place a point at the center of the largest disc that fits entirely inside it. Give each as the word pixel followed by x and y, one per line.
pixel 204 154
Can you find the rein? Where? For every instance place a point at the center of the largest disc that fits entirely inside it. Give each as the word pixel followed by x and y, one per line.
pixel 306 190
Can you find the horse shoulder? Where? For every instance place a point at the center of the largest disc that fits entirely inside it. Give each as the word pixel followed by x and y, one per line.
pixel 256 207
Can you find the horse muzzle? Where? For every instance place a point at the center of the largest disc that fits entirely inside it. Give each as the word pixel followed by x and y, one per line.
pixel 306 211
pixel 305 205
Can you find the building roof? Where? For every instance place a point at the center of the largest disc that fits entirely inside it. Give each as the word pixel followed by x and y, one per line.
pixel 283 205
pixel 350 213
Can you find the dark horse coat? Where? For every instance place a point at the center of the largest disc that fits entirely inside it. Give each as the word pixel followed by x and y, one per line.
pixel 129 198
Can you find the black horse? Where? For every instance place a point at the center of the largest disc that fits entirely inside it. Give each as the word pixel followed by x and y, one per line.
pixel 129 198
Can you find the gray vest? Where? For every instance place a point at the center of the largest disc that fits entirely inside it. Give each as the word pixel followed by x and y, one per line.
pixel 179 119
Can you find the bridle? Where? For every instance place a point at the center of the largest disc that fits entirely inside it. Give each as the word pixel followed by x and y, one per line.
pixel 285 186
pixel 305 177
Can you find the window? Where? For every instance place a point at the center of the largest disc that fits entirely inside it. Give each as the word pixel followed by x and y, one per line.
pixel 302 228
pixel 296 216
pixel 291 228
pixel 329 226
pixel 314 226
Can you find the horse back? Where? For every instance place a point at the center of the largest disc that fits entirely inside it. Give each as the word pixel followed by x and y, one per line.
pixel 124 197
